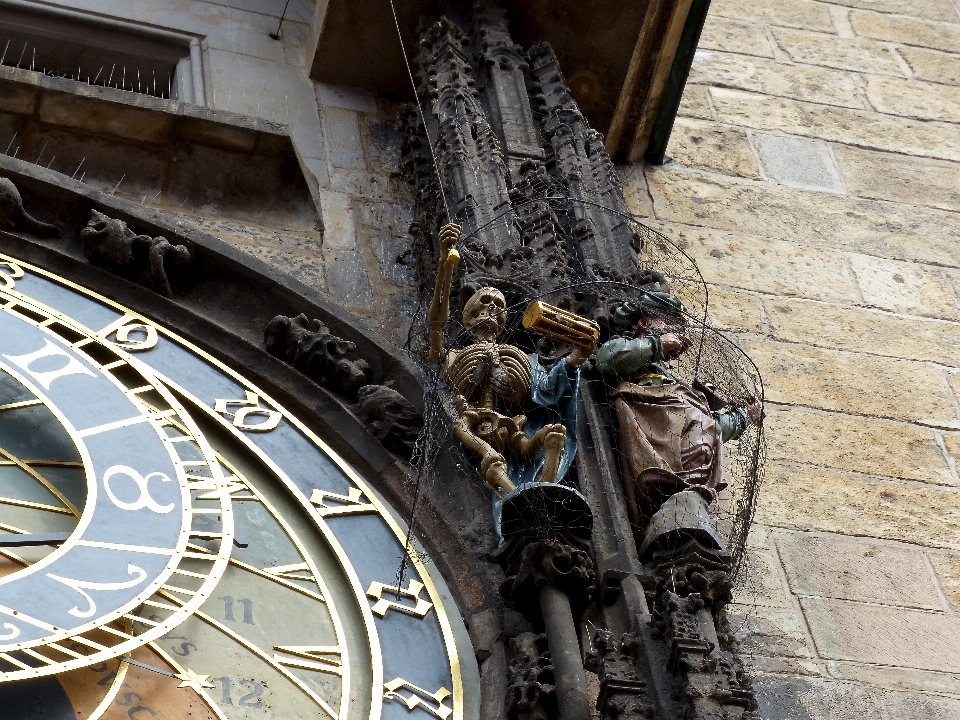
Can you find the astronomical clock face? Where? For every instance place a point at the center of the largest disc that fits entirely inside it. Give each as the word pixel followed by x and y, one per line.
pixel 175 545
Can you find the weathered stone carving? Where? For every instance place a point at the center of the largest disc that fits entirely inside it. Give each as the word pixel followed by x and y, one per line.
pixel 623 691
pixel 548 562
pixel 14 217
pixel 392 419
pixel 111 244
pixel 530 691
pixel 312 349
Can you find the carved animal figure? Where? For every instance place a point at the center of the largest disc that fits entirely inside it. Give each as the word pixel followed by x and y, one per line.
pixel 112 244
pixel 14 217
pixel 312 349
pixel 392 419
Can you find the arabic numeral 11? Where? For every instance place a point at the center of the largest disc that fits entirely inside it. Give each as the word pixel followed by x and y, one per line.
pixel 228 609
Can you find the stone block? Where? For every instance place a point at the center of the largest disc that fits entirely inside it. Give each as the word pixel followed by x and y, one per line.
pixel 951 442
pixel 769 77
pixel 817 220
pixel 888 176
pixel 734 311
pixel 846 125
pixel 347 98
pixel 17 99
pixel 388 250
pixel 847 503
pixel 768 631
pixel 388 218
pixel 850 328
pixel 106 118
pixel 696 143
pixel 382 142
pixel 346 279
pixel 850 382
pixel 832 566
pixel 909 31
pixel 786 13
pixel 735 36
pixel 928 9
pixel 946 565
pixel 339 231
pixel 853 442
pixel 844 630
pixel 809 698
pixel 695 103
pixel 799 163
pixel 931 65
pixel 341 130
pixel 760 264
pixel 905 287
pixel 758 582
pixel 911 98
pixel 900 678
pixel 857 54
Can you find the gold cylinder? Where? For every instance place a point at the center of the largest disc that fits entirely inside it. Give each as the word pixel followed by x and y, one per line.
pixel 561 325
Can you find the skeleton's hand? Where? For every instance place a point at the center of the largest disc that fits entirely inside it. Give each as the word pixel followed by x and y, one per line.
pixel 449 237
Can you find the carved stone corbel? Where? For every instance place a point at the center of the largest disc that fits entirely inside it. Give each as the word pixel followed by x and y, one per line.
pixel 14 217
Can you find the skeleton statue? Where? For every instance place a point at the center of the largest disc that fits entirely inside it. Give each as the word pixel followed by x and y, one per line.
pixel 487 376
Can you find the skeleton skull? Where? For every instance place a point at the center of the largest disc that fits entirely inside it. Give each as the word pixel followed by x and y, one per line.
pixel 485 313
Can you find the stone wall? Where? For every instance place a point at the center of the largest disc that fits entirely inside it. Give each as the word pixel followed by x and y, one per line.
pixel 815 181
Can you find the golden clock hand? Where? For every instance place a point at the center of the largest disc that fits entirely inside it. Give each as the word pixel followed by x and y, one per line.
pixel 33 539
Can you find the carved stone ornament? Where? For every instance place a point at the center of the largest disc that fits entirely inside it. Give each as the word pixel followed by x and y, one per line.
pixel 392 419
pixel 531 694
pixel 548 562
pixel 312 349
pixel 623 692
pixel 14 217
pixel 110 244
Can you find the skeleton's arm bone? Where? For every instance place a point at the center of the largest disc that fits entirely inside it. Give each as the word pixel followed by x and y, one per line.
pixel 440 307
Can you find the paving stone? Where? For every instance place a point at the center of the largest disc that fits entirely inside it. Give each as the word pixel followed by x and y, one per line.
pixel 799 163
pixel 928 9
pixel 850 382
pixel 846 125
pixel 735 36
pixel 857 54
pixel 911 98
pixel 695 103
pixel 712 146
pixel 831 566
pixel 802 497
pixel 845 630
pixel 905 287
pixel 902 178
pixel 931 65
pixel 346 279
pixel 778 267
pixel 797 698
pixel 910 31
pixel 851 442
pixel 947 567
pixel 786 13
pixel 902 678
pixel 341 130
pixel 800 82
pixel 339 231
pixel 769 631
pixel 734 311
pixel 854 329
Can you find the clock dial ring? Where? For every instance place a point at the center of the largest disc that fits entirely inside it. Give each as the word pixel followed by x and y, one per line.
pixel 340 503
pixel 83 563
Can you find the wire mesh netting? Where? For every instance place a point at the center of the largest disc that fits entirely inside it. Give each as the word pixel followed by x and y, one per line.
pixel 708 367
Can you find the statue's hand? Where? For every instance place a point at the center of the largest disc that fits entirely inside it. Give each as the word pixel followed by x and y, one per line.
pixel 449 237
pixel 674 344
pixel 580 355
pixel 755 411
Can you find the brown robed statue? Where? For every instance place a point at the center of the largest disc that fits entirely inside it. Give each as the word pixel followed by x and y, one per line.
pixel 671 440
